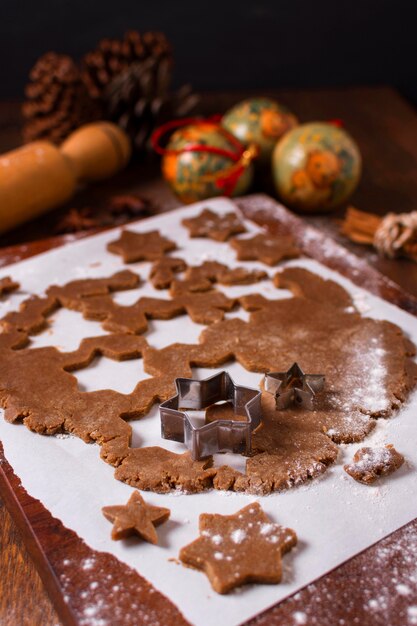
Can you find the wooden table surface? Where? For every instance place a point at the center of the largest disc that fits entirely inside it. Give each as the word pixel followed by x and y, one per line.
pixel 385 127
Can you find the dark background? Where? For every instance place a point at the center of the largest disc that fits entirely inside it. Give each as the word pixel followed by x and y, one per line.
pixel 230 44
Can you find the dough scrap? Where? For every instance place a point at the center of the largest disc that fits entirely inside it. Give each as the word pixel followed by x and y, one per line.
pixel 213 225
pixel 369 464
pixel 8 285
pixel 245 547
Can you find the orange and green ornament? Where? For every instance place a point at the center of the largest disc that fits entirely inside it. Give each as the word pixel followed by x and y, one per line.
pixel 203 160
pixel 260 121
pixel 316 167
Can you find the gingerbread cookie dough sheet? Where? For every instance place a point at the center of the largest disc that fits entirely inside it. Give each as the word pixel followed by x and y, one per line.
pixel 333 516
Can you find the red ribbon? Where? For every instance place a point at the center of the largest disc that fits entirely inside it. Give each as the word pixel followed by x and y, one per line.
pixel 337 122
pixel 215 119
pixel 226 183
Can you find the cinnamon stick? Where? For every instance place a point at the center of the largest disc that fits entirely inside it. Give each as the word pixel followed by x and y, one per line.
pixel 361 227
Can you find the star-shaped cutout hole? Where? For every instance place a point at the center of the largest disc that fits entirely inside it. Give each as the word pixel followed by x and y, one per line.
pixel 240 548
pixel 213 225
pixel 135 517
pixel 134 247
pixel 265 248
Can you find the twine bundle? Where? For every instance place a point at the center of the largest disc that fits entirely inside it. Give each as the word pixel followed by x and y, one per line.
pixel 392 236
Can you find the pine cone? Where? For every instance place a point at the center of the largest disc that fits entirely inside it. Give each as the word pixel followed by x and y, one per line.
pixel 57 100
pixel 131 77
pixel 138 99
pixel 114 56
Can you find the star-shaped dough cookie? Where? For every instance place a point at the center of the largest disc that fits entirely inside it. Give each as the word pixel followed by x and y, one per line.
pixel 213 225
pixel 135 517
pixel 134 247
pixel 265 248
pixel 240 548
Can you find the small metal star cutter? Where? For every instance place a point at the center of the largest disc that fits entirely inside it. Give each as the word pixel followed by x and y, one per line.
pixel 218 436
pixel 293 387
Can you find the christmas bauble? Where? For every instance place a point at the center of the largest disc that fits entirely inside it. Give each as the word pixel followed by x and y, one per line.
pixel 260 121
pixel 195 174
pixel 316 166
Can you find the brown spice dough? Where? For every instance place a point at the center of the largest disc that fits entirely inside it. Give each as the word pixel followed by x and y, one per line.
pixel 7 285
pixel 365 362
pixel 135 517
pixel 31 316
pixel 92 298
pixel 369 464
pixel 38 389
pixel 292 446
pixel 265 248
pixel 245 547
pixel 213 225
pixel 216 272
pixel 203 308
pixel 164 270
pixel 313 287
pixel 134 247
pixel 88 287
pixel 157 469
pixel 240 276
pixel 200 277
pixel 33 312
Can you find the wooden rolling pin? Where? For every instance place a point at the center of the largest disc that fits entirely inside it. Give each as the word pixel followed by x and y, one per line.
pixel 40 176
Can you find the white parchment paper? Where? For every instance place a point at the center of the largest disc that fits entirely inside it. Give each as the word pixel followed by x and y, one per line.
pixel 334 517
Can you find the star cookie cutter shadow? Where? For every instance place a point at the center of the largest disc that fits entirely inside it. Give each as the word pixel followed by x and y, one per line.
pixel 293 387
pixel 218 436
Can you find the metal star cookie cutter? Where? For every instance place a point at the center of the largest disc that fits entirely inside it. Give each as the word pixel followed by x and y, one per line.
pixel 217 436
pixel 293 387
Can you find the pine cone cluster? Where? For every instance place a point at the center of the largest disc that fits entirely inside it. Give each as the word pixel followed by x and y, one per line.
pixel 57 100
pixel 123 80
